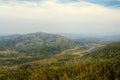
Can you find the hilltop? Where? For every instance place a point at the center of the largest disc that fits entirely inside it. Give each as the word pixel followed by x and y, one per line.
pixel 42 43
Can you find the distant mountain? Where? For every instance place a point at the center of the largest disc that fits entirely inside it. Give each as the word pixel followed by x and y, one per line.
pixel 80 35
pixel 4 34
pixel 110 39
pixel 42 43
pixel 92 38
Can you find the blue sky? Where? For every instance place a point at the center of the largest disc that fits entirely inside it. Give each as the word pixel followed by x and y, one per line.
pixel 109 3
pixel 70 16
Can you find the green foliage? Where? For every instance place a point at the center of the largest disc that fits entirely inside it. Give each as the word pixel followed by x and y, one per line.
pixel 106 70
pixel 86 41
pixel 102 64
pixel 47 44
pixel 107 52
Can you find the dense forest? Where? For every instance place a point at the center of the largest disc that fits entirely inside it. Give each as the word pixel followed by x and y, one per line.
pixel 100 64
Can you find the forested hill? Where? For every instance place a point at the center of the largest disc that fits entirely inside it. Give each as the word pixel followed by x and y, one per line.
pixel 111 51
pixel 102 64
pixel 39 42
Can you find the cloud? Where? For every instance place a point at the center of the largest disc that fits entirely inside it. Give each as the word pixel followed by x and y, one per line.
pixel 106 3
pixel 52 16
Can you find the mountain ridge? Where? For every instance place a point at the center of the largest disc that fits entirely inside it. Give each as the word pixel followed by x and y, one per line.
pixel 36 43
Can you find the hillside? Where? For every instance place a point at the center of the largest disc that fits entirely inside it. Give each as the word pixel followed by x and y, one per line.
pixel 111 51
pixel 42 43
pixel 101 64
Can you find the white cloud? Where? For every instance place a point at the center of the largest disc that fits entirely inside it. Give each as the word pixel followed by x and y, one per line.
pixel 57 17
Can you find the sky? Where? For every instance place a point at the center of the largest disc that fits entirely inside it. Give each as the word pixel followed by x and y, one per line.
pixel 60 16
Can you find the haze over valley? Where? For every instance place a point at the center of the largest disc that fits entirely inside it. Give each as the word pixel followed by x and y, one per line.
pixel 59 40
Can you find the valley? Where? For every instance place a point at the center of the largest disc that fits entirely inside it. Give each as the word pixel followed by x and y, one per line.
pixel 59 39
pixel 62 58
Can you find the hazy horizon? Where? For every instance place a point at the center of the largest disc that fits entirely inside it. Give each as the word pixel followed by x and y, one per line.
pixel 60 16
